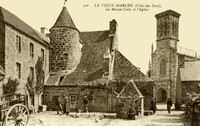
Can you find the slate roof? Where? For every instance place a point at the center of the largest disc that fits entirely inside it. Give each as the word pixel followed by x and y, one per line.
pixel 20 25
pixel 187 52
pixel 64 19
pixel 191 72
pixel 93 66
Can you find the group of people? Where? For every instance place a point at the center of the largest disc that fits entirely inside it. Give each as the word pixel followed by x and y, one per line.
pixel 153 105
pixel 64 107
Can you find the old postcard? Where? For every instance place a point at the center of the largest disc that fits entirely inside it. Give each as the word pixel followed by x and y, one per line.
pixel 99 63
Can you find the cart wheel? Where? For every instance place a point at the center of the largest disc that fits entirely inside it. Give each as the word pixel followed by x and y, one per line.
pixel 17 115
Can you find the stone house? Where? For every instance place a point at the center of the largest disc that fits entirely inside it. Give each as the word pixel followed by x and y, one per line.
pixel 173 68
pixel 87 63
pixel 20 47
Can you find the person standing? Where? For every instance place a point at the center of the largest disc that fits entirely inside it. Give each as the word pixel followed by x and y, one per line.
pixel 58 105
pixel 85 103
pixel 195 113
pixel 64 105
pixel 153 105
pixel 67 105
pixel 169 105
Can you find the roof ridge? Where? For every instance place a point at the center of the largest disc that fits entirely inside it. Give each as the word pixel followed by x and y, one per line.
pixel 14 21
pixel 94 31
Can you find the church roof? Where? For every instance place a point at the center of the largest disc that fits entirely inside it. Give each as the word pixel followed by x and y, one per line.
pixel 20 25
pixel 93 67
pixel 64 19
pixel 187 52
pixel 191 71
pixel 168 12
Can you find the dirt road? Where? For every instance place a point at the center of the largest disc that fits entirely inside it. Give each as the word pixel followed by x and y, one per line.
pixel 161 118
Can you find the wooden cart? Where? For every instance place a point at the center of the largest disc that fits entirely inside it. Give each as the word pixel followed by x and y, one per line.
pixel 13 110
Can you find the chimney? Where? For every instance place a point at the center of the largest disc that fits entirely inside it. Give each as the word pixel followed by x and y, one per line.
pixel 113 46
pixel 43 30
pixel 113 27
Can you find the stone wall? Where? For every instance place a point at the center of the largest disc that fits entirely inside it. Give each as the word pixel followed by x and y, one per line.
pixel 166 49
pixel 13 56
pixel 98 103
pixel 66 52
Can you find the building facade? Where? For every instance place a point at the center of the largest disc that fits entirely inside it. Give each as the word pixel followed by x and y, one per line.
pixel 21 47
pixel 86 64
pixel 168 60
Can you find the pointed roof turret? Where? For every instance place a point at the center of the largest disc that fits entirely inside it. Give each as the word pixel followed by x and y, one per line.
pixel 64 19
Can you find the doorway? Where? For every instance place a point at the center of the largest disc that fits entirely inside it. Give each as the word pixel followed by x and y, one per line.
pixel 161 95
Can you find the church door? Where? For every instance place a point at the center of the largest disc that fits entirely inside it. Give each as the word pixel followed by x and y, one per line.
pixel 161 95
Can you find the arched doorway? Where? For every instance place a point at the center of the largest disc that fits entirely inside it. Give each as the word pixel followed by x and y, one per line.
pixel 161 95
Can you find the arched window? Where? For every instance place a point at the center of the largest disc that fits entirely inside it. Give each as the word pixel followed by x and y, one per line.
pixel 163 67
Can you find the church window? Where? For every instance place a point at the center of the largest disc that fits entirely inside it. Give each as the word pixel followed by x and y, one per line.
pixel 163 67
pixel 161 29
pixel 165 28
pixel 173 29
pixel 176 29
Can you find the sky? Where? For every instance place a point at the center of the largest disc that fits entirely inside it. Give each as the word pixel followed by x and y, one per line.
pixel 136 29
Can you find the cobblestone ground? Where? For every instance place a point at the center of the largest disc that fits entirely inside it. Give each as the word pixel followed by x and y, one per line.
pixel 161 118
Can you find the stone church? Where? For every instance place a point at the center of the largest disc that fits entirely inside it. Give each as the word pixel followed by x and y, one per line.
pixel 174 69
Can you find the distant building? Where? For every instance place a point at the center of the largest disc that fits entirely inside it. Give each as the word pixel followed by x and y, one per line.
pixel 174 69
pixel 20 47
pixel 87 63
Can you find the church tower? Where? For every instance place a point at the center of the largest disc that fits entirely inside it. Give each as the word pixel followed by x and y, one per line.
pixel 165 59
pixel 66 47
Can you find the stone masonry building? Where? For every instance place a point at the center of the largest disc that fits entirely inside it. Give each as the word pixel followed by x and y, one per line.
pixel 171 65
pixel 20 48
pixel 87 63
pixel 75 63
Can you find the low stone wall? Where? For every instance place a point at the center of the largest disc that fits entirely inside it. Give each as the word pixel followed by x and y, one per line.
pixel 98 97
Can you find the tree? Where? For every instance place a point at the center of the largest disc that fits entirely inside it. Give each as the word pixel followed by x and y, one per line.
pixel 30 85
pixel 11 86
pixel 39 75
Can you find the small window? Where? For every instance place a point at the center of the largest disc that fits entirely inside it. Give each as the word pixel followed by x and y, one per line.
pixel 18 43
pixel 31 50
pixel 42 54
pixel 72 98
pixel 18 65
